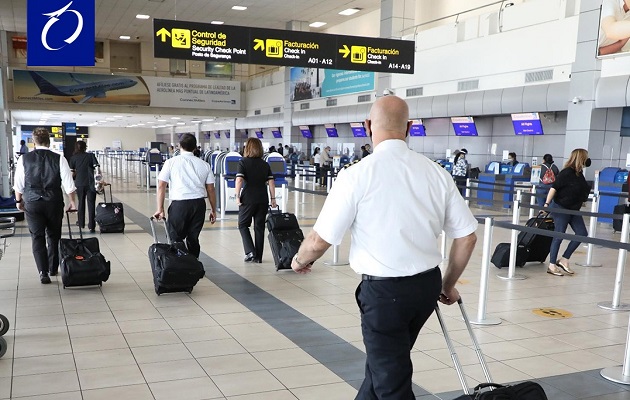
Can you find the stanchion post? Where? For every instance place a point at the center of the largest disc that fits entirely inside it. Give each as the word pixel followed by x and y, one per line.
pixel 303 187
pixel 223 183
pixel 148 176
pixel 620 374
pixel 482 318
pixel 335 261
pixel 157 173
pixel 516 219
pixel 616 304
pixel 443 246
pixel 592 227
pixel 467 191
pixel 532 201
pixel 283 203
pixel 328 181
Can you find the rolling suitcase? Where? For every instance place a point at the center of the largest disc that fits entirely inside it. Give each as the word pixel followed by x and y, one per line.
pixel 285 237
pixel 538 245
pixel 174 269
pixel 522 391
pixel 501 256
pixel 81 262
pixel 110 217
pixel 619 210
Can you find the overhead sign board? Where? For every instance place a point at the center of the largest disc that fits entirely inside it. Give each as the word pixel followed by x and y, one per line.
pixel 235 44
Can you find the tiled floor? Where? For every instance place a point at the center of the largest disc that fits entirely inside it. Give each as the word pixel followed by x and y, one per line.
pixel 249 332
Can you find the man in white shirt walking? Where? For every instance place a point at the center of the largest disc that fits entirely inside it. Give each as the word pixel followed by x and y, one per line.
pixel 397 258
pixel 191 180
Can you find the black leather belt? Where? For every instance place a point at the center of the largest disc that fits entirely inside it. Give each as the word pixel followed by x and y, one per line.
pixel 365 277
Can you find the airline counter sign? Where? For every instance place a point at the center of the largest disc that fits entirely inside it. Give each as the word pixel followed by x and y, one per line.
pixel 60 32
pixel 235 44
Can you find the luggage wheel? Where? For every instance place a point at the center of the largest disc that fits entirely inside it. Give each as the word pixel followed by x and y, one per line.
pixel 4 324
pixel 3 346
pixel 189 291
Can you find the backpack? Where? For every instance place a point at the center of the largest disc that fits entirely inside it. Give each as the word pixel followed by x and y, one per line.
pixel 549 177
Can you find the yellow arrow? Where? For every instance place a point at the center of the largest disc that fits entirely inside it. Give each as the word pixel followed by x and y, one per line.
pixel 164 33
pixel 259 44
pixel 345 51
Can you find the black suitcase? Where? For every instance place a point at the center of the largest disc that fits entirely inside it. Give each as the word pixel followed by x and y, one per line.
pixel 538 245
pixel 284 246
pixel 501 256
pixel 522 391
pixel 174 269
pixel 110 217
pixel 619 210
pixel 279 221
pixel 81 262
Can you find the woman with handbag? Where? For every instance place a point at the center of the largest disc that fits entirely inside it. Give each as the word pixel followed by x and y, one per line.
pixel 569 192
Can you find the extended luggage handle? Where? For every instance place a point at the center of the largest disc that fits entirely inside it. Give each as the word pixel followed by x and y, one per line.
pixel 152 223
pixel 451 348
pixel 111 197
pixel 69 227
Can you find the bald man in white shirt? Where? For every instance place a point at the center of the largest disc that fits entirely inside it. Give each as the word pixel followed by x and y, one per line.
pixel 395 203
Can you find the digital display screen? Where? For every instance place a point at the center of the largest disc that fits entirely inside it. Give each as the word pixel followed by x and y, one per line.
pixel 206 135
pixel 227 134
pixel 464 126
pixel 217 135
pixel 417 128
pixel 277 167
pixel 357 129
pixel 306 131
pixel 276 133
pixel 231 167
pixel 527 124
pixel 259 134
pixel 331 131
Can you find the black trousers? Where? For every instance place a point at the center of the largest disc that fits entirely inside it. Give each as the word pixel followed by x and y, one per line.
pixel 185 222
pixel 257 212
pixel 87 197
pixel 45 219
pixel 392 314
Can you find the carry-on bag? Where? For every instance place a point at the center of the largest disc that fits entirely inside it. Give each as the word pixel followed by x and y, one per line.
pixel 620 209
pixel 174 269
pixel 110 216
pixel 279 221
pixel 530 246
pixel 538 245
pixel 81 262
pixel 522 391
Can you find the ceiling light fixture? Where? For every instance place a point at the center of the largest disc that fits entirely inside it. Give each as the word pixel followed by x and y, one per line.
pixel 161 120
pixel 124 37
pixel 142 16
pixel 181 123
pixel 239 8
pixel 317 24
pixel 350 11
pixel 175 118
pixel 217 22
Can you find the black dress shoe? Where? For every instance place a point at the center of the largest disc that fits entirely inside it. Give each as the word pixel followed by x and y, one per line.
pixel 92 230
pixel 44 278
pixel 257 260
pixel 249 257
pixel 54 272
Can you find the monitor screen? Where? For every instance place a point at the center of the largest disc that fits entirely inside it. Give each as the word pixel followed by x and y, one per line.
pixel 276 133
pixel 217 135
pixel 227 134
pixel 231 167
pixel 464 126
pixel 527 124
pixel 306 131
pixel 277 167
pixel 331 131
pixel 259 134
pixel 417 128
pixel 357 129
pixel 206 135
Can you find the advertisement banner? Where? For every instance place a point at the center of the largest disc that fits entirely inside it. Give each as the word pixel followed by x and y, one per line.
pixel 311 83
pixel 66 87
pixel 614 29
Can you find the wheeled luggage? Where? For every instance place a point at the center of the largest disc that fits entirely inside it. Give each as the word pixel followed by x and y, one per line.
pixel 522 391
pixel 530 246
pixel 285 237
pixel 174 269
pixel 81 262
pixel 110 217
pixel 620 209
pixel 538 245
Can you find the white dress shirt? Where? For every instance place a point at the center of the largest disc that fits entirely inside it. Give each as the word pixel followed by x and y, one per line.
pixel 187 176
pixel 66 175
pixel 395 203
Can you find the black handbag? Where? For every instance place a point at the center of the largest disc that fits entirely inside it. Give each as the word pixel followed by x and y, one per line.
pixel 521 391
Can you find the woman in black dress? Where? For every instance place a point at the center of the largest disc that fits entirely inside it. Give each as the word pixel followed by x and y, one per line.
pixel 252 176
pixel 84 166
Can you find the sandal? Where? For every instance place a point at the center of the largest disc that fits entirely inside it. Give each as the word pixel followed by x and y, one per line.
pixel 553 270
pixel 565 268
